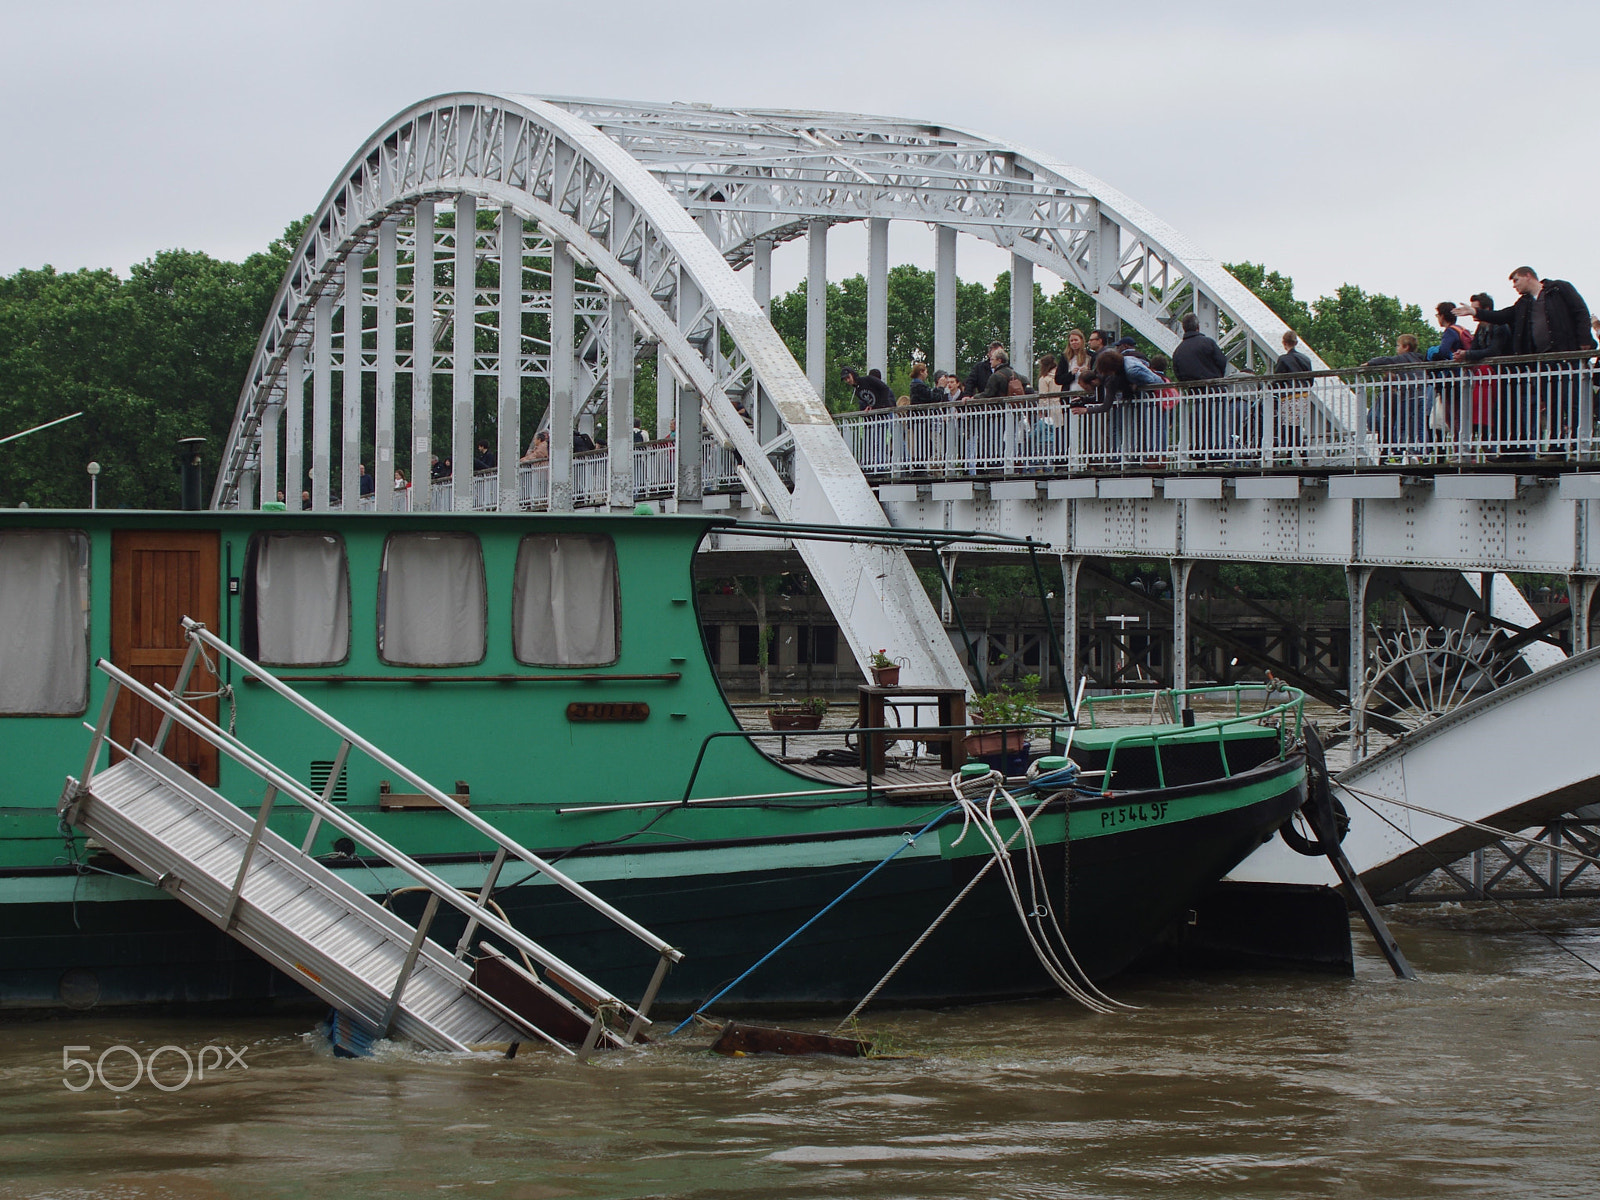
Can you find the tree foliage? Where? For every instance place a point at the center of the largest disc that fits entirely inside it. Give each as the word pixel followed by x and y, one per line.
pixel 147 359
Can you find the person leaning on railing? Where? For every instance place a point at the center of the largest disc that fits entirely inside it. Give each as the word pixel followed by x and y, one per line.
pixel 1116 384
pixel 1488 342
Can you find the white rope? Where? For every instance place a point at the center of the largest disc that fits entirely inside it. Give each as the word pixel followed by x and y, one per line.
pixel 1068 975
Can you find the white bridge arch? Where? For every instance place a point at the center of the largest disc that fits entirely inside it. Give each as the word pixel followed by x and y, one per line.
pixel 628 222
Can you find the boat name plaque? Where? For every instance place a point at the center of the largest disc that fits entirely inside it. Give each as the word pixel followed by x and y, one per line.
pixel 626 710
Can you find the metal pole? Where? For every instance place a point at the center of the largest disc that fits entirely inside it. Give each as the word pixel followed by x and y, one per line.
pixel 484 893
pixel 562 370
pixel 1022 316
pixel 690 486
pixel 944 300
pixel 619 407
pixel 422 285
pixel 817 305
pixel 350 442
pixel 1070 566
pixel 294 437
pixel 412 951
pixel 383 456
pixel 508 424
pixel 267 480
pixel 463 373
pixel 231 909
pixel 878 294
pixel 1356 581
pixel 1181 567
pixel 761 273
pixel 666 394
pixel 321 405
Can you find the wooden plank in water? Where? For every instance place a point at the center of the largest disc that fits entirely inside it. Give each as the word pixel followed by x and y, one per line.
pixel 755 1039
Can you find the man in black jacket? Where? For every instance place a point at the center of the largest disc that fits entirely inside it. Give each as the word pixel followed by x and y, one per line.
pixel 871 392
pixel 1213 417
pixel 1549 317
pixel 978 377
pixel 1197 356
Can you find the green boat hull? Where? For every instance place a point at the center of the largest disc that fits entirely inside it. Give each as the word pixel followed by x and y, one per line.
pixel 1136 863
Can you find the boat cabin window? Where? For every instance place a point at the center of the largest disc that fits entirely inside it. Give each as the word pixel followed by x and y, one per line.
pixel 564 604
pixel 296 605
pixel 431 600
pixel 44 622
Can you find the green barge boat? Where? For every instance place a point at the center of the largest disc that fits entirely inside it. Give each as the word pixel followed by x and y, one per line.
pixel 550 671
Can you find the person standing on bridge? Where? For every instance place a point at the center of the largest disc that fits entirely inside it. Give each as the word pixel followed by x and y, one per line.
pixel 1216 423
pixel 1293 399
pixel 1114 388
pixel 978 377
pixel 1549 317
pixel 875 398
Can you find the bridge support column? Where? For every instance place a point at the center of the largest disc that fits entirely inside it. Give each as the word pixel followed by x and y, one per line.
pixel 761 273
pixel 1356 581
pixel 355 316
pixel 508 375
pixel 294 434
pixel 666 394
pixel 1022 316
pixel 422 282
pixel 947 602
pixel 463 376
pixel 1580 595
pixel 690 486
pixel 1181 567
pixel 817 305
pixel 562 372
pixel 321 406
pixel 619 407
pixel 268 480
pixel 383 455
pixel 944 301
pixel 248 485
pixel 1070 566
pixel 878 294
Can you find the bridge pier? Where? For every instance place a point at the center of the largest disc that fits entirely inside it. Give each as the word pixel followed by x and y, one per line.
pixel 1180 567
pixel 1070 566
pixel 355 319
pixel 384 457
pixel 422 309
pixel 878 294
pixel 1580 595
pixel 816 306
pixel 562 364
pixel 508 374
pixel 1356 579
pixel 619 408
pixel 463 373
pixel 944 301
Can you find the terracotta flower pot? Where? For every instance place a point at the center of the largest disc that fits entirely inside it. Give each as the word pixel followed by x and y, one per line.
pixel 886 676
pixel 1004 749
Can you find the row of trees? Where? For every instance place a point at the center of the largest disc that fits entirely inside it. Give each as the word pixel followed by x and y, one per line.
pixel 162 354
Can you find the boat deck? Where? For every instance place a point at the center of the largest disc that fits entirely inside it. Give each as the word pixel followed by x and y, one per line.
pixel 914 779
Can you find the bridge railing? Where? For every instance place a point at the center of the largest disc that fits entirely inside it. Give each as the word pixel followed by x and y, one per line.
pixel 1406 414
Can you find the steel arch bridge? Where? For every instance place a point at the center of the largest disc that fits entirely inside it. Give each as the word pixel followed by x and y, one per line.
pixel 618 225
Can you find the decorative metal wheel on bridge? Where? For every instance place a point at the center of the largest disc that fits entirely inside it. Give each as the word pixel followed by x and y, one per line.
pixel 1422 673
pixel 610 227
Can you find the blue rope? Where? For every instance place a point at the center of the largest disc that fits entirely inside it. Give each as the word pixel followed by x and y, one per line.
pixel 910 840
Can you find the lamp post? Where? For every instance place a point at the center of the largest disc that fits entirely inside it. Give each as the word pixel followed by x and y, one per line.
pixel 94 484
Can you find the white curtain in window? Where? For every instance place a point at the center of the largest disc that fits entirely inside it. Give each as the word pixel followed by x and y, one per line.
pixel 433 600
pixel 565 601
pixel 302 600
pixel 44 621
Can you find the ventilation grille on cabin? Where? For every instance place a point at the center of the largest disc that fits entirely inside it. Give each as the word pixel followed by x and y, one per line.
pixel 319 780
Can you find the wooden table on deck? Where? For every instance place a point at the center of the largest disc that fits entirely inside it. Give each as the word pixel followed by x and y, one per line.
pixel 872 708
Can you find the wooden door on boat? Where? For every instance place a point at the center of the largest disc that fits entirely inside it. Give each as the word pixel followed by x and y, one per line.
pixel 157 578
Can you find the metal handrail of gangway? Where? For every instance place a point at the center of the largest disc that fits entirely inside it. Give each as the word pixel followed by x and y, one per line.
pixel 175 710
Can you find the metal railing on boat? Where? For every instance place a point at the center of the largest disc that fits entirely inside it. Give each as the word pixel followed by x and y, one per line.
pixel 1155 737
pixel 226 910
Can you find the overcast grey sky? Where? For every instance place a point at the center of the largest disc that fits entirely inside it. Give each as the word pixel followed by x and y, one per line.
pixel 1416 149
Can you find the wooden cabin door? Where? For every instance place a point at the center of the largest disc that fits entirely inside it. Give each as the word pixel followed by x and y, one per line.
pixel 157 578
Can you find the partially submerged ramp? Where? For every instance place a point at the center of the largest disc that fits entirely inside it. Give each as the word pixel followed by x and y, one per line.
pixel 1519 756
pixel 385 975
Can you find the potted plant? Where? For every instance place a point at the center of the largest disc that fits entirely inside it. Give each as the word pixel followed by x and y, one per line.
pixel 885 671
pixel 805 713
pixel 1007 709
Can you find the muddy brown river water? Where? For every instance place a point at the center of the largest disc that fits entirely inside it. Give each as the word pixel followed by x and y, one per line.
pixel 1480 1079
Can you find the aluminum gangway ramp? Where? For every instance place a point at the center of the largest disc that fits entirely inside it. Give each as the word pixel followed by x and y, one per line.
pixel 387 976
pixel 1518 756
